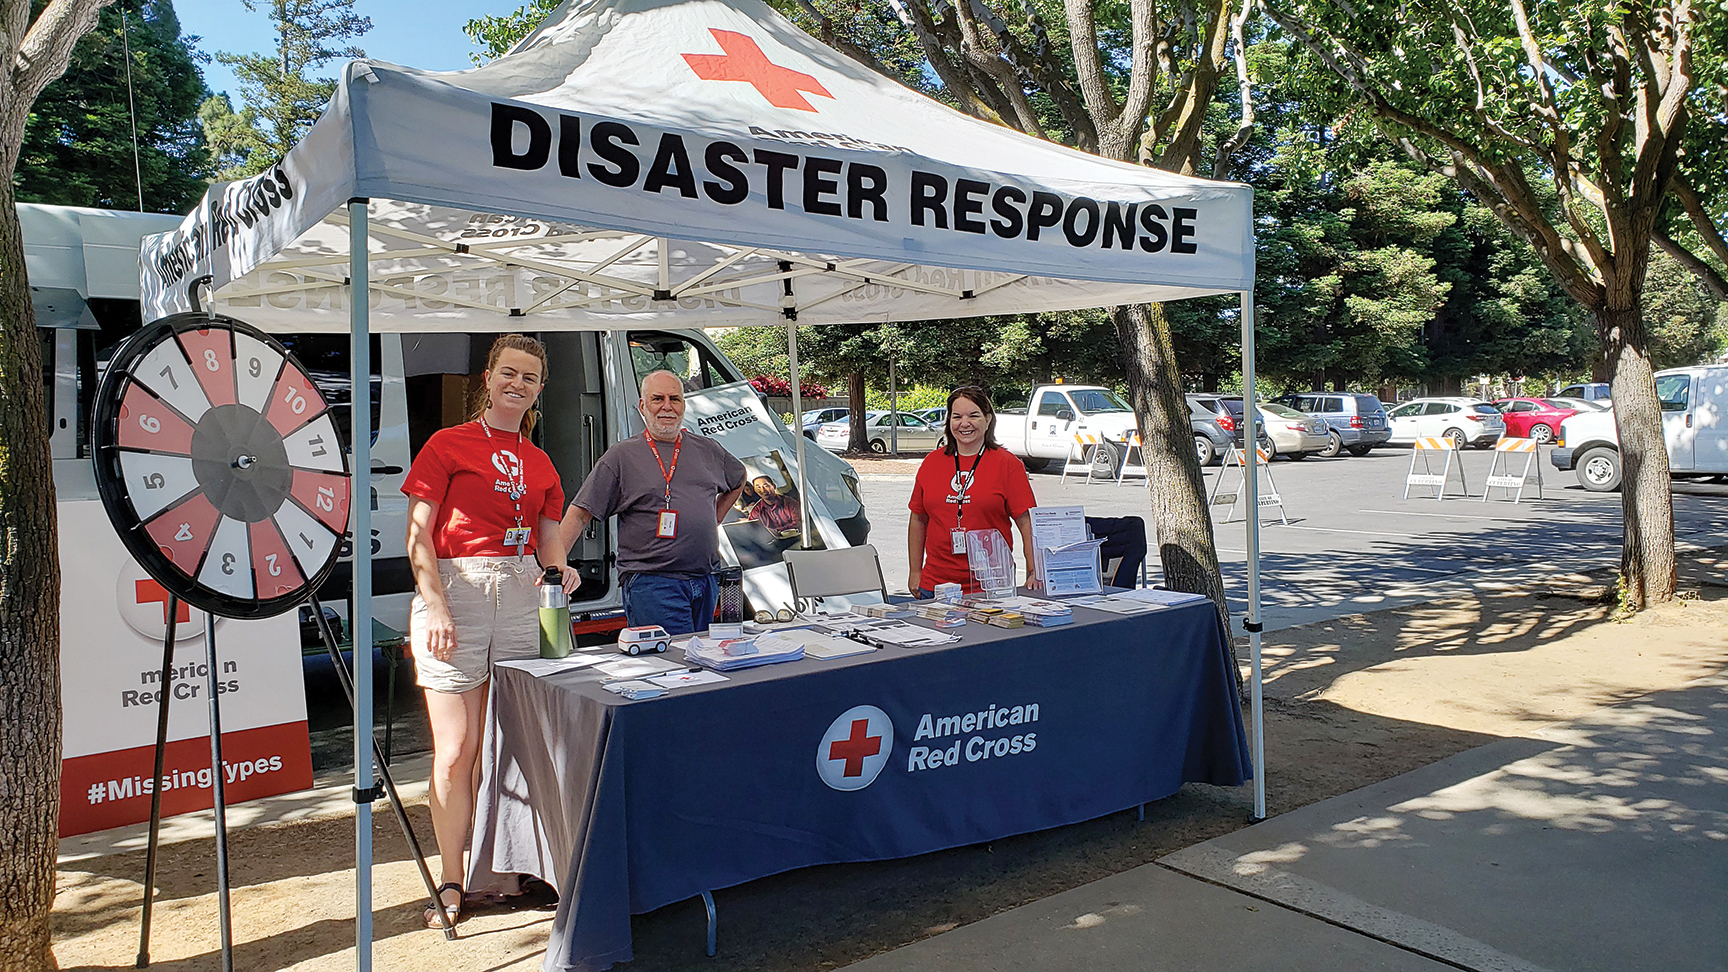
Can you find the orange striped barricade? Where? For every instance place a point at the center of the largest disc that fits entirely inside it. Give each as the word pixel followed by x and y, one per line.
pixel 1424 450
pixel 1086 444
pixel 1235 459
pixel 1133 460
pixel 1500 473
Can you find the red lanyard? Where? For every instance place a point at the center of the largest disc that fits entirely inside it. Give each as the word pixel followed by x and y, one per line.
pixel 677 444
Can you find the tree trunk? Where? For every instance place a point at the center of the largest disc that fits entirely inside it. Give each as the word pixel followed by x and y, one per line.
pixel 29 623
pixel 1646 501
pixel 855 402
pixel 1182 526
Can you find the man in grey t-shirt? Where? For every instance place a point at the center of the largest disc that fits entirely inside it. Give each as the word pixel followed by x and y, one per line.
pixel 669 490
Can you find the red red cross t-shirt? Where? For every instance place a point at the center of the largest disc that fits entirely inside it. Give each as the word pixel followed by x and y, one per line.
pixel 999 492
pixel 470 476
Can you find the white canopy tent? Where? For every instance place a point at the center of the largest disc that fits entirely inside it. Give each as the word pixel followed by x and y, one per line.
pixel 680 163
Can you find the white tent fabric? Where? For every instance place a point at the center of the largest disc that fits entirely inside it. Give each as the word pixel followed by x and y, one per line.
pixel 679 163
pixel 653 161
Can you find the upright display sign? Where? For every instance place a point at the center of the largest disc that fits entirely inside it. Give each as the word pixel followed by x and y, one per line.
pixel 764 523
pixel 113 617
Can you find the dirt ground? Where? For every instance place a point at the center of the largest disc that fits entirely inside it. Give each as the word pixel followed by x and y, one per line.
pixel 1349 702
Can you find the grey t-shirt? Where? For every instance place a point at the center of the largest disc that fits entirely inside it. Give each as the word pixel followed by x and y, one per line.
pixel 627 481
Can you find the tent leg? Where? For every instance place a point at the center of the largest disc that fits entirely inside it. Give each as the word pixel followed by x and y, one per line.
pixel 789 307
pixel 1250 430
pixel 224 917
pixel 347 683
pixel 360 612
pixel 893 412
pixel 172 614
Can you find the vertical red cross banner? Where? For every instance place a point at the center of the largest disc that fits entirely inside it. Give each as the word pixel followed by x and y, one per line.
pixel 113 619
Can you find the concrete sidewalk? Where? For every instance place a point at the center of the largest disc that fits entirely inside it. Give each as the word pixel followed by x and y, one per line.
pixel 1598 845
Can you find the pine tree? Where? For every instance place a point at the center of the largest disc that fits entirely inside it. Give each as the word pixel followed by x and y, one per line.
pixel 280 98
pixel 78 148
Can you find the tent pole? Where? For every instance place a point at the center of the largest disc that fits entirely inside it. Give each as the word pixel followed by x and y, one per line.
pixel 789 308
pixel 1251 442
pixel 893 411
pixel 798 430
pixel 360 613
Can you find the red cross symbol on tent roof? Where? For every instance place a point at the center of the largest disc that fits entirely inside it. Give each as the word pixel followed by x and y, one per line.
pixel 855 749
pixel 744 61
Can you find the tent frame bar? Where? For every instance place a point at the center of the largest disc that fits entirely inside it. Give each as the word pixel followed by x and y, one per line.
pixel 360 610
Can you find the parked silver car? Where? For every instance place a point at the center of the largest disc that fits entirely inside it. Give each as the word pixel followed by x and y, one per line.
pixel 912 435
pixel 1355 423
pixel 1283 431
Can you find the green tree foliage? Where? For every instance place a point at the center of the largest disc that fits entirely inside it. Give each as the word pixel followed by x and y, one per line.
pixel 232 138
pixel 1505 314
pixel 1688 325
pixel 1592 103
pixel 1003 354
pixel 1346 281
pixel 496 34
pixel 281 99
pixel 78 142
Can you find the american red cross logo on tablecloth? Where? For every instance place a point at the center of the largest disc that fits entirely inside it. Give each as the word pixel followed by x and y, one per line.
pixel 744 61
pixel 854 748
pixel 852 753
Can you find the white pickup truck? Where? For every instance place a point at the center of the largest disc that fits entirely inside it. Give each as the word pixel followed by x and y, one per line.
pixel 1694 423
pixel 1045 431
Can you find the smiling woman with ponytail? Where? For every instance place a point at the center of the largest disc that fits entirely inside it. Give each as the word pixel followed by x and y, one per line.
pixel 483 508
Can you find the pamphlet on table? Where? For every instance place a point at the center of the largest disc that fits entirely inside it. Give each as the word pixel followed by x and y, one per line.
pixel 1067 560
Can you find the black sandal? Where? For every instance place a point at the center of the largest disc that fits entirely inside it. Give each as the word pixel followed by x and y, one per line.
pixel 453 912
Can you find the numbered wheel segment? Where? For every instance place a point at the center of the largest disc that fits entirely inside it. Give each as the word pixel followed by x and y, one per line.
pixel 220 465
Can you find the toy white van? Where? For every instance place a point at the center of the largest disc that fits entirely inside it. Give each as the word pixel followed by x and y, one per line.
pixel 648 637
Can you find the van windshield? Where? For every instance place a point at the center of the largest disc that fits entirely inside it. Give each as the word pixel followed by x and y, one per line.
pixel 1094 400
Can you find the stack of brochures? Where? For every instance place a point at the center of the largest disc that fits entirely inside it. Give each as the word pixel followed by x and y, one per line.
pixel 1034 611
pixel 731 656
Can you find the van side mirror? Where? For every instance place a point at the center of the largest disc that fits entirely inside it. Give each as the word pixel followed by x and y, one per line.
pixel 1065 414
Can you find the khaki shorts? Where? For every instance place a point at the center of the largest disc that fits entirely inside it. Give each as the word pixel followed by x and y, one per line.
pixel 496 609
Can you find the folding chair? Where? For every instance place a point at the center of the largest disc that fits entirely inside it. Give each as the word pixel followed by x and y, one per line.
pixel 1124 549
pixel 816 574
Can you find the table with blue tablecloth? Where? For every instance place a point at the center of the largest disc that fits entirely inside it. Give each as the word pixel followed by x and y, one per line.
pixel 629 806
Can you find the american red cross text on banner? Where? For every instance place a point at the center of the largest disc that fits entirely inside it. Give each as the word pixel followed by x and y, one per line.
pixel 113 618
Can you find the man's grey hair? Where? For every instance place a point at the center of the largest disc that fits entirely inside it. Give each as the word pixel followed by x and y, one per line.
pixel 642 389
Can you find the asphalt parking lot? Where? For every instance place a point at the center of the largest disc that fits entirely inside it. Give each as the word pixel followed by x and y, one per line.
pixel 1354 544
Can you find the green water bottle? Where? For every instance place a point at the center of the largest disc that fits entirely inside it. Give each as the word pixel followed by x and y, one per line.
pixel 554 616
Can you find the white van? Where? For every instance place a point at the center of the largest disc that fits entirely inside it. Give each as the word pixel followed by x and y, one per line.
pixel 1694 423
pixel 83 266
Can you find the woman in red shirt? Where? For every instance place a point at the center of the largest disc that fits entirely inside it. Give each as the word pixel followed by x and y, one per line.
pixel 971 483
pixel 483 511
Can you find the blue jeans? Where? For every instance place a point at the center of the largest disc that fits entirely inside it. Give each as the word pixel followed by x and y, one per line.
pixel 678 604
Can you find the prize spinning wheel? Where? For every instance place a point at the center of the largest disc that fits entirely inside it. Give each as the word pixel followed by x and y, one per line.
pixel 219 465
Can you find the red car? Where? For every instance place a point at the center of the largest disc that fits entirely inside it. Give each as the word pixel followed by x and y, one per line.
pixel 1533 418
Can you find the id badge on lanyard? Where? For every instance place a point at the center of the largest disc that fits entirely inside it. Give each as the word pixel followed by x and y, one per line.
pixel 666 526
pixel 963 481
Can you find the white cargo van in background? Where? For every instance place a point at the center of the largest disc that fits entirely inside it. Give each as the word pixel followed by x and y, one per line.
pixel 1694 424
pixel 83 267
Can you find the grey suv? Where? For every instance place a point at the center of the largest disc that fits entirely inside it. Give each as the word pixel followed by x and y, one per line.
pixel 1210 439
pixel 1354 422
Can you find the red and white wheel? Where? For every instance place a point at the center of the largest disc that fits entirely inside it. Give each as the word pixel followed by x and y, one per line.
pixel 220 466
